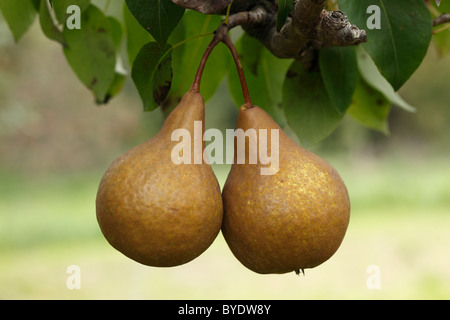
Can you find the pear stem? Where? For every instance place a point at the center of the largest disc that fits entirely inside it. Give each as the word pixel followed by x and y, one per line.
pixel 195 88
pixel 247 100
pixel 221 35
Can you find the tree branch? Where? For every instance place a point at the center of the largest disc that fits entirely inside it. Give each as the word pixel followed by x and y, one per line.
pixel 256 16
pixel 310 24
pixel 443 18
pixel 335 30
pixel 208 7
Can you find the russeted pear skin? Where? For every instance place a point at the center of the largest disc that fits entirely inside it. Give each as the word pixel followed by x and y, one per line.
pixel 292 220
pixel 157 212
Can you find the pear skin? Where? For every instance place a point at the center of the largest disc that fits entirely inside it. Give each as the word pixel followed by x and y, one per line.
pixel 154 211
pixel 293 219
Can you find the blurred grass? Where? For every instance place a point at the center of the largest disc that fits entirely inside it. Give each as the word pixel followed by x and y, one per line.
pixel 400 222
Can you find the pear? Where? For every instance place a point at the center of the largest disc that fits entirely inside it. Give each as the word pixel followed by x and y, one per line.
pixel 290 219
pixel 155 211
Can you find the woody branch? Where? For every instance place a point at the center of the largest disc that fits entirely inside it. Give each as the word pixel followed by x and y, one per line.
pixel 309 24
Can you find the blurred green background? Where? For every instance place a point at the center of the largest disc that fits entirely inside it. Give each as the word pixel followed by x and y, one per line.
pixel 55 144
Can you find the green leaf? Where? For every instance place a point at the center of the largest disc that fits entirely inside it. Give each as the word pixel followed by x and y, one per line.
pixel 251 52
pixel 152 74
pixel 91 52
pixel 60 8
pixel 115 87
pixel 399 47
pixel 119 76
pixel 189 55
pixel 264 74
pixel 137 37
pixel 36 4
pixel 309 111
pixel 284 9
pixel 52 27
pixel 19 15
pixel 158 17
pixel 116 32
pixel 339 70
pixel 444 7
pixel 373 77
pixel 49 27
pixel 370 107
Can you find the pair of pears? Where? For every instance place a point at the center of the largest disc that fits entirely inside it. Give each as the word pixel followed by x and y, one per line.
pixel 164 214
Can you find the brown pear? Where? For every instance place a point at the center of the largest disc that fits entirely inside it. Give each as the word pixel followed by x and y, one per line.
pixel 292 217
pixel 154 210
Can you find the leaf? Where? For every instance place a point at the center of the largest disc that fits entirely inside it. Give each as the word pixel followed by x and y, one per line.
pixel 91 52
pixel 189 55
pixel 115 87
pixel 36 4
pixel 444 6
pixel 158 17
pixel 152 74
pixel 284 9
pixel 264 74
pixel 52 27
pixel 60 8
pixel 373 77
pixel 399 47
pixel 120 74
pixel 251 52
pixel 370 107
pixel 162 80
pixel 116 32
pixel 49 27
pixel 19 15
pixel 309 111
pixel 339 70
pixel 136 35
pixel 205 6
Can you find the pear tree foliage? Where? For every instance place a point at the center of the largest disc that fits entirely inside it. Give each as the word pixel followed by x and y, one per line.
pixel 308 63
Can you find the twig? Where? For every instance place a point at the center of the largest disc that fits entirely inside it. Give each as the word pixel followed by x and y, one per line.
pixel 310 24
pixel 443 18
pixel 208 7
pixel 256 16
pixel 438 30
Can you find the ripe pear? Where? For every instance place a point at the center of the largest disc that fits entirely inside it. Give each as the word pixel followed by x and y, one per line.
pixel 290 219
pixel 157 212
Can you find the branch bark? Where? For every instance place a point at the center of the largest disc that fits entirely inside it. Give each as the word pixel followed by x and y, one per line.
pixel 443 18
pixel 309 25
pixel 256 17
pixel 208 7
